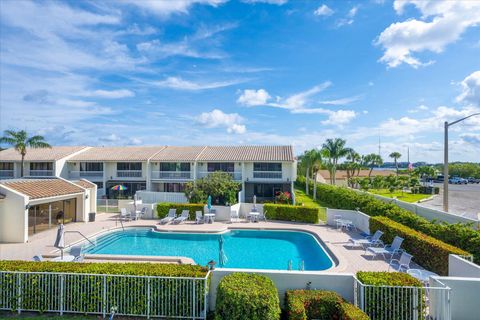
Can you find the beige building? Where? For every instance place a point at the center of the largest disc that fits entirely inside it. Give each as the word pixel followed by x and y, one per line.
pixel 341 177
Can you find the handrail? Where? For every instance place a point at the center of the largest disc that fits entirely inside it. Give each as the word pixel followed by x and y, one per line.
pixel 81 235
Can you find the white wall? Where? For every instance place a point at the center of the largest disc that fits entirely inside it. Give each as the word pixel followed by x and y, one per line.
pixel 359 219
pixel 342 283
pixel 155 197
pixel 13 216
pixel 459 267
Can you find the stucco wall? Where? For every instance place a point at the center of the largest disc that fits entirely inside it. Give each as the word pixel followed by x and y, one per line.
pixel 13 217
pixel 459 267
pixel 359 219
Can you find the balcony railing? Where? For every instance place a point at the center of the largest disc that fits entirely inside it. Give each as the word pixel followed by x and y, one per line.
pixel 86 174
pixel 6 174
pixel 235 175
pixel 129 173
pixel 41 173
pixel 277 175
pixel 172 175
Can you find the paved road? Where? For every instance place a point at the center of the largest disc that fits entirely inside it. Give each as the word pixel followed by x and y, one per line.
pixel 463 199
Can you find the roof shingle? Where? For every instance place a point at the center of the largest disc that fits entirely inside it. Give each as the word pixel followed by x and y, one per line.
pixel 40 154
pixel 117 154
pixel 247 153
pixel 42 188
pixel 172 153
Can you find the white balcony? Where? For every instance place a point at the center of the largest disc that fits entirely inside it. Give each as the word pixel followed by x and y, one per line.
pixel 86 175
pixel 237 175
pixel 267 175
pixel 41 173
pixel 172 175
pixel 6 174
pixel 129 173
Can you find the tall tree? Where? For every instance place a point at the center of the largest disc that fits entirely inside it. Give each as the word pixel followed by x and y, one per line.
pixel 351 165
pixel 334 149
pixel 395 156
pixel 20 141
pixel 316 163
pixel 372 160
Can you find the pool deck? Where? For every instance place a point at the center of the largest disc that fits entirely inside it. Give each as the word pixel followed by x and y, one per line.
pixel 349 260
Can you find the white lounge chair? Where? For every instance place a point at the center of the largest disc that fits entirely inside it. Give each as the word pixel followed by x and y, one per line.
pixel 76 251
pixel 134 214
pixel 262 216
pixel 234 217
pixel 403 263
pixel 38 258
pixel 392 249
pixel 199 217
pixel 369 241
pixel 184 216
pixel 172 214
pixel 124 214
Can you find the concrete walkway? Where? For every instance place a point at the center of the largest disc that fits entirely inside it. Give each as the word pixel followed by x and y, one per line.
pixel 348 259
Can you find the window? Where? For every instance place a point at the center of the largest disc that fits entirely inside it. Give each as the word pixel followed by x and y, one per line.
pixel 221 166
pixel 99 185
pixel 265 166
pixel 172 187
pixel 41 166
pixel 6 165
pixel 91 166
pixel 123 166
pixel 174 166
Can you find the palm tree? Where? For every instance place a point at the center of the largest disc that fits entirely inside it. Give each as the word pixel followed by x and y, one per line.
pixel 372 160
pixel 316 163
pixel 334 149
pixel 395 156
pixel 20 141
pixel 352 165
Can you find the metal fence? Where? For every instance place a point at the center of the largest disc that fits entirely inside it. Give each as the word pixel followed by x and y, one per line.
pixel 107 205
pixel 403 303
pixel 147 296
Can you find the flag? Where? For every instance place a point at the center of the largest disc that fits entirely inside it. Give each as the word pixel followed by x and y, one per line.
pixel 410 166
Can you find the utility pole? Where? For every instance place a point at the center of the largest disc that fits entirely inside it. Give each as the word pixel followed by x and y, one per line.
pixel 445 158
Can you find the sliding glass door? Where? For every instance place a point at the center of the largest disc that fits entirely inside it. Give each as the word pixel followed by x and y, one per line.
pixel 48 215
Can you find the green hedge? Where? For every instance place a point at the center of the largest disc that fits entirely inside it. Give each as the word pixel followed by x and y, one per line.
pixel 427 251
pixel 319 304
pixel 287 212
pixel 163 207
pixel 393 303
pixel 458 235
pixel 93 287
pixel 247 296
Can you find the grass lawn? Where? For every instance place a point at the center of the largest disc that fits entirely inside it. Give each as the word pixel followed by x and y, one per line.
pixel 405 196
pixel 307 201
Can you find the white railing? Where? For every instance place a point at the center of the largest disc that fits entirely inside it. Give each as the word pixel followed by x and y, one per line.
pixel 6 174
pixel 41 173
pixel 409 303
pixel 148 296
pixel 267 175
pixel 155 197
pixel 86 174
pixel 237 175
pixel 107 205
pixel 172 175
pixel 129 173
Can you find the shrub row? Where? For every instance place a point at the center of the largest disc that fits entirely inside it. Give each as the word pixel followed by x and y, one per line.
pixel 247 296
pixel 458 235
pixel 318 304
pixel 163 207
pixel 291 213
pixel 429 252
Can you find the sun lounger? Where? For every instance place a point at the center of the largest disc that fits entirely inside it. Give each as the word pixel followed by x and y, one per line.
pixel 184 216
pixel 391 250
pixel 170 216
pixel 38 258
pixel 402 264
pixel 369 241
pixel 124 215
pixel 76 251
pixel 234 217
pixel 199 217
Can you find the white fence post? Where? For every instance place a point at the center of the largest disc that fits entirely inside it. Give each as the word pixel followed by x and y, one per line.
pixel 19 293
pixel 61 304
pixel 104 296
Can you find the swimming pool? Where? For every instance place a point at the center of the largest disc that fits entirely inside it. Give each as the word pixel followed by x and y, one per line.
pixel 252 249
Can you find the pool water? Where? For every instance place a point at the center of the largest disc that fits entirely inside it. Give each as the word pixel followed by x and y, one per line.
pixel 252 249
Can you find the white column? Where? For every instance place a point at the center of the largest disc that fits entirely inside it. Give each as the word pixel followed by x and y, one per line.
pixel 149 180
pixel 104 178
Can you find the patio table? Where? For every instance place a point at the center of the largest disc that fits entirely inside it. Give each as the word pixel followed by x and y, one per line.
pixel 344 223
pixel 209 217
pixel 254 215
pixel 66 258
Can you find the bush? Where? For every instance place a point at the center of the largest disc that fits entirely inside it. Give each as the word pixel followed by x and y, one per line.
pixel 428 190
pixel 219 185
pixel 247 296
pixel 291 213
pixel 427 251
pixel 319 304
pixel 378 284
pixel 458 235
pixel 163 207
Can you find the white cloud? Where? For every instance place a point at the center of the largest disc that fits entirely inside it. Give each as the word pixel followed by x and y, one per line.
pixel 352 12
pixel 470 89
pixel 181 84
pixel 277 2
pixel 166 8
pixel 217 118
pixel 420 108
pixel 340 117
pixel 442 23
pixel 112 94
pixel 323 10
pixel 342 101
pixel 156 49
pixel 252 97
pixel 298 100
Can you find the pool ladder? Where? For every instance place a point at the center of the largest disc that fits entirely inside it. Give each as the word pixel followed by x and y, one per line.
pixel 301 265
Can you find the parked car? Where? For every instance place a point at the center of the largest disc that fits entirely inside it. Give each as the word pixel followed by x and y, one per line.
pixel 473 180
pixel 457 180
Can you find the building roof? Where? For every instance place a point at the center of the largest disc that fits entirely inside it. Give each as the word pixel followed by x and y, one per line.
pixel 247 153
pixel 117 154
pixel 40 154
pixel 42 188
pixel 84 184
pixel 172 153
pixel 342 174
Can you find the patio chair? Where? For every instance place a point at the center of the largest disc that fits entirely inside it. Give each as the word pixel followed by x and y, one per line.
pixel 184 216
pixel 402 263
pixel 143 212
pixel 124 214
pixel 172 214
pixel 369 241
pixel 392 249
pixel 38 258
pixel 134 214
pixel 76 251
pixel 199 217
pixel 337 218
pixel 262 216
pixel 234 216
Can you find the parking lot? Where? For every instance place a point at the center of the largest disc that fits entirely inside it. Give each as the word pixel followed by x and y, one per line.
pixel 464 199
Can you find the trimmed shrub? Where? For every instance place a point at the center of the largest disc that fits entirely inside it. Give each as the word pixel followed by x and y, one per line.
pixel 247 296
pixel 287 212
pixel 427 251
pixel 320 304
pixel 458 235
pixel 394 303
pixel 163 207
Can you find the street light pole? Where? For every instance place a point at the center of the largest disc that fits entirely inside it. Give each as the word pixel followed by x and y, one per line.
pixel 445 159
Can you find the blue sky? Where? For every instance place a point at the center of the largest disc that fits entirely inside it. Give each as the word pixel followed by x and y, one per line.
pixel 215 72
